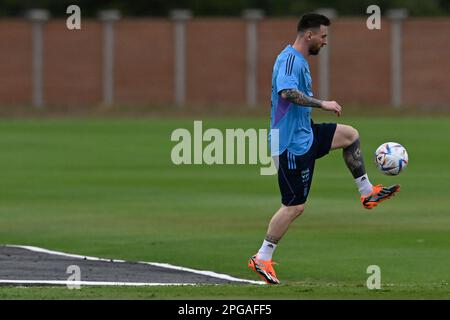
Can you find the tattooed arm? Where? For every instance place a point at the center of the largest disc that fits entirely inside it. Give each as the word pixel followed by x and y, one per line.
pixel 298 97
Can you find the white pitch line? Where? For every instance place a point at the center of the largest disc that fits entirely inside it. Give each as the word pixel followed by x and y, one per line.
pixel 156 264
pixel 93 283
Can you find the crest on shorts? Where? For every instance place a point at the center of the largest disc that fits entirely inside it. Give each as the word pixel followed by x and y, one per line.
pixel 305 175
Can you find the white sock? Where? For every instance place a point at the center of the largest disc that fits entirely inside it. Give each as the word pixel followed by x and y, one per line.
pixel 364 185
pixel 266 251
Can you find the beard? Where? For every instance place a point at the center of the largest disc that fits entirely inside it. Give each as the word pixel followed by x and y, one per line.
pixel 314 51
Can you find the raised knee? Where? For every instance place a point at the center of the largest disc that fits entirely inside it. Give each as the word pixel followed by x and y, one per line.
pixel 354 134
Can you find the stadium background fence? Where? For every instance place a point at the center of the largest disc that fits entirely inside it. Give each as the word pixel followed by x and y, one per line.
pixel 211 61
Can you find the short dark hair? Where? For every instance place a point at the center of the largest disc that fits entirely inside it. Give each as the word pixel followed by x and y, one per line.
pixel 312 20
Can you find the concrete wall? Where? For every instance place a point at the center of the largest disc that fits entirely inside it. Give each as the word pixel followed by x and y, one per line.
pixel 216 66
pixel 15 62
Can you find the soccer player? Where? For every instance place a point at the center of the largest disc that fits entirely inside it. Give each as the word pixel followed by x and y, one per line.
pixel 301 141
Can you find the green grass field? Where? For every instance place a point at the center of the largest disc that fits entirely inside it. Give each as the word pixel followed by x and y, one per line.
pixel 107 188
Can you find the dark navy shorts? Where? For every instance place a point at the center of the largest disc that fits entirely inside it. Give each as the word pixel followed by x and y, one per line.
pixel 295 172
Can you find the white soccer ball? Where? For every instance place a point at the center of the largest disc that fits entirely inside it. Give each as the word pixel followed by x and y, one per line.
pixel 391 158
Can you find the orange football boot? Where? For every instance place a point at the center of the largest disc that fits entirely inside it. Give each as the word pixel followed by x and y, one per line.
pixel 264 269
pixel 378 195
